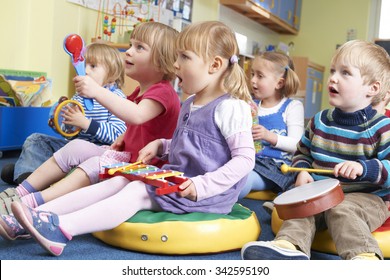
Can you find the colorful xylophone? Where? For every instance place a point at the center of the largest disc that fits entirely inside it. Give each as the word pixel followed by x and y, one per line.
pixel 165 181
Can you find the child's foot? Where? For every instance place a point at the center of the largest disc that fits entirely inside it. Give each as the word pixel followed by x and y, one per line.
pixel 366 257
pixel 268 206
pixel 43 226
pixel 10 228
pixel 10 192
pixel 6 198
pixel 266 250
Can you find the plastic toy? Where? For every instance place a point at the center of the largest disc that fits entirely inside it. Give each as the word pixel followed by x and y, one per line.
pixel 56 119
pixel 165 181
pixel 255 120
pixel 74 46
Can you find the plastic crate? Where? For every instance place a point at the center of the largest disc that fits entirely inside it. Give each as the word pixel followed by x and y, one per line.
pixel 17 123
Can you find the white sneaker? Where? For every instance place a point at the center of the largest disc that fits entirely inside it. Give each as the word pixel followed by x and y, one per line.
pixel 266 250
pixel 268 206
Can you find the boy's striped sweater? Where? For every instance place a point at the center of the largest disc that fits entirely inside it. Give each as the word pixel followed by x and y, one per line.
pixel 333 136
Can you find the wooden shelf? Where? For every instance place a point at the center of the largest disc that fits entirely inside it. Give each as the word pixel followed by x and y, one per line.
pixel 260 15
pixel 122 46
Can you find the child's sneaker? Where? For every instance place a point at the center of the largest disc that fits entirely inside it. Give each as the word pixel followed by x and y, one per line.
pixel 268 206
pixel 10 228
pixel 9 192
pixel 6 198
pixel 43 226
pixel 266 250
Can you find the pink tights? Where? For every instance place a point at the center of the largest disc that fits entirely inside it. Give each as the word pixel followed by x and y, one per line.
pixel 102 206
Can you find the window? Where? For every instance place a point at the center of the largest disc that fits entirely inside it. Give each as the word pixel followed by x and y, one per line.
pixel 384 22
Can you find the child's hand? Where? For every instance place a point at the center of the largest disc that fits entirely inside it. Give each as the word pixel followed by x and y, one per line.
pixel 259 132
pixel 188 190
pixel 303 177
pixel 86 86
pixel 348 169
pixel 150 151
pixel 73 116
pixel 118 144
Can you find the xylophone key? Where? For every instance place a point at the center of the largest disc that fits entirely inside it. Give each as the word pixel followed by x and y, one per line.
pixel 165 181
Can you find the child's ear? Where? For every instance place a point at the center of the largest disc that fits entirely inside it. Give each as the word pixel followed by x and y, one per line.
pixel 216 64
pixel 280 83
pixel 375 88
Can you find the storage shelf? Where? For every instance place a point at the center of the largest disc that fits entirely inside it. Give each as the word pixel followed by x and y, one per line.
pixel 260 15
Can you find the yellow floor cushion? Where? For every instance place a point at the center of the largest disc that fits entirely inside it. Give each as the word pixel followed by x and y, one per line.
pixel 324 243
pixel 193 233
pixel 262 195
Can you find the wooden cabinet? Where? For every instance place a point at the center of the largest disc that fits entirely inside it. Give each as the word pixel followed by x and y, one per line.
pixel 297 14
pixel 311 76
pixel 282 16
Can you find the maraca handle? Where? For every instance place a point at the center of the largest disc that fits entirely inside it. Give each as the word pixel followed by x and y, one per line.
pixel 80 68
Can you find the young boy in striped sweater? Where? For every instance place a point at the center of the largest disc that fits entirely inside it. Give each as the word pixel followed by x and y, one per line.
pixel 352 139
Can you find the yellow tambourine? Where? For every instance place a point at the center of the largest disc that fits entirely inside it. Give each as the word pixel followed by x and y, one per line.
pixel 56 119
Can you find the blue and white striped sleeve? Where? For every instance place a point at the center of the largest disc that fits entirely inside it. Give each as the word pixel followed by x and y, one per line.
pixel 105 127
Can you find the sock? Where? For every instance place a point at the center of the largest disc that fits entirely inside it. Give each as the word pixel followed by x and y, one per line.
pixel 24 189
pixel 367 256
pixel 33 200
pixel 284 244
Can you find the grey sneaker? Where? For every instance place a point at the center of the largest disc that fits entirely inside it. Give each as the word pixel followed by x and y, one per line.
pixel 6 198
pixel 10 192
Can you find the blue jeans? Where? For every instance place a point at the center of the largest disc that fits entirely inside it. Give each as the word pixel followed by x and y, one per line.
pixel 36 150
pixel 267 176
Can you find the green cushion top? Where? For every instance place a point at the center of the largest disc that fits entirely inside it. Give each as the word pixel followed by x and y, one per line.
pixel 238 213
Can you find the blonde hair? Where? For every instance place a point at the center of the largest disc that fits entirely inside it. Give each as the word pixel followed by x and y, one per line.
pixel 372 60
pixel 161 39
pixel 110 58
pixel 283 66
pixel 209 39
